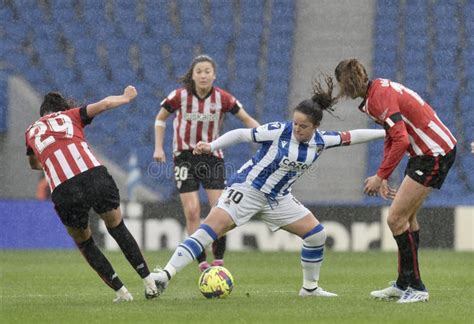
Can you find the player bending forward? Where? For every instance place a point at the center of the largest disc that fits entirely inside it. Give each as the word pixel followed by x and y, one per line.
pixel 56 144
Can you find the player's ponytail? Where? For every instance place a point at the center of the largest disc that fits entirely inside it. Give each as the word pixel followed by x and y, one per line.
pixel 187 79
pixel 54 102
pixel 321 100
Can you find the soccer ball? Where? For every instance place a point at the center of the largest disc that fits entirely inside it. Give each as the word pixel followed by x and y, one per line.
pixel 216 282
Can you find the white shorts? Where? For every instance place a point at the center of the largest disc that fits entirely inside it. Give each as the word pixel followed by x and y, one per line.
pixel 241 201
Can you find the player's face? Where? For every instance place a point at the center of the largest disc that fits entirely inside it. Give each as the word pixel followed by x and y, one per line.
pixel 203 75
pixel 303 128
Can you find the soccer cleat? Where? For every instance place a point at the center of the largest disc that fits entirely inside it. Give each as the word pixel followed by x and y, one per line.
pixel 414 296
pixel 317 292
pixel 151 291
pixel 217 263
pixel 161 280
pixel 203 266
pixel 391 292
pixel 122 295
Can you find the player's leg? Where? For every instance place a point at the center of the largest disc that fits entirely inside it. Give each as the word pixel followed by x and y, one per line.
pixel 217 223
pixel 106 202
pixel 187 183
pixel 192 213
pixel 129 246
pixel 211 175
pixel 72 205
pixel 219 245
pixel 312 252
pixel 409 198
pixel 97 260
pixel 236 206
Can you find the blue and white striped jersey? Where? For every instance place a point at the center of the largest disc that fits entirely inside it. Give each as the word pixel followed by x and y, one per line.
pixel 282 159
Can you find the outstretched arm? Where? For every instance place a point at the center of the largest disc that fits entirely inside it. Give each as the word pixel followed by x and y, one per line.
pixel 228 139
pixel 356 136
pixel 111 102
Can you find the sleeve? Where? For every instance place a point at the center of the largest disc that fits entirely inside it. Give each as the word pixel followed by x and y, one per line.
pixel 172 102
pixel 230 138
pixel 29 150
pixel 230 103
pixel 267 132
pixel 395 146
pixel 396 142
pixel 86 120
pixel 357 136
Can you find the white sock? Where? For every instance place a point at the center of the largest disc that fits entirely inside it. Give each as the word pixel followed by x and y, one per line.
pixel 190 249
pixel 312 256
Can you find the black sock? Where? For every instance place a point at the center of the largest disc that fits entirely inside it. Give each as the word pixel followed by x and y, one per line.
pixel 218 247
pixel 202 257
pixel 130 248
pixel 409 273
pixel 99 263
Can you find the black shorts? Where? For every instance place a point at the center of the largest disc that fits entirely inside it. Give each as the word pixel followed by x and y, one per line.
pixel 191 170
pixel 93 188
pixel 430 171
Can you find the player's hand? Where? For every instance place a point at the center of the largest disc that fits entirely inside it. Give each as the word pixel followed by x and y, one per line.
pixel 372 185
pixel 159 155
pixel 472 147
pixel 202 148
pixel 130 92
pixel 386 191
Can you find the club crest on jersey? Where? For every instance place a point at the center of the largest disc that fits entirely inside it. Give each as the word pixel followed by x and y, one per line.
pixel 319 148
pixel 274 125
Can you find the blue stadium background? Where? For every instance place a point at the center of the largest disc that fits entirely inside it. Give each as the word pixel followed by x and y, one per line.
pixel 88 49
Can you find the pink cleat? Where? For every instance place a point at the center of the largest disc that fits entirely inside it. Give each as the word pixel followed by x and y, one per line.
pixel 203 266
pixel 217 263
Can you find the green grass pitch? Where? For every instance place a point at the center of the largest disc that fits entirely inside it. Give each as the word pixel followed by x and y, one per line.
pixel 59 287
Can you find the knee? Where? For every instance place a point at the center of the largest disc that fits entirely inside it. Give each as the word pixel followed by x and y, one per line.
pixel 316 237
pixel 396 222
pixel 192 213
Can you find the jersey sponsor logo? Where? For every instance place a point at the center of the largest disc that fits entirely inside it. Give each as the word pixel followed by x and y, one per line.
pixel 201 117
pixel 295 165
pixel 284 143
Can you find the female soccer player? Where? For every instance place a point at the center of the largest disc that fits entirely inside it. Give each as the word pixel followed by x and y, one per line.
pixel 412 126
pixel 56 144
pixel 262 185
pixel 200 109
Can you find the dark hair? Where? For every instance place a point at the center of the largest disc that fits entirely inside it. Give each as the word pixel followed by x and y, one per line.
pixel 321 100
pixel 352 78
pixel 54 102
pixel 187 79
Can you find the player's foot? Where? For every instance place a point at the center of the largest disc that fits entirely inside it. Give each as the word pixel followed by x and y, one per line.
pixel 217 263
pixel 414 296
pixel 151 291
pixel 316 292
pixel 161 280
pixel 122 295
pixel 203 266
pixel 392 292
